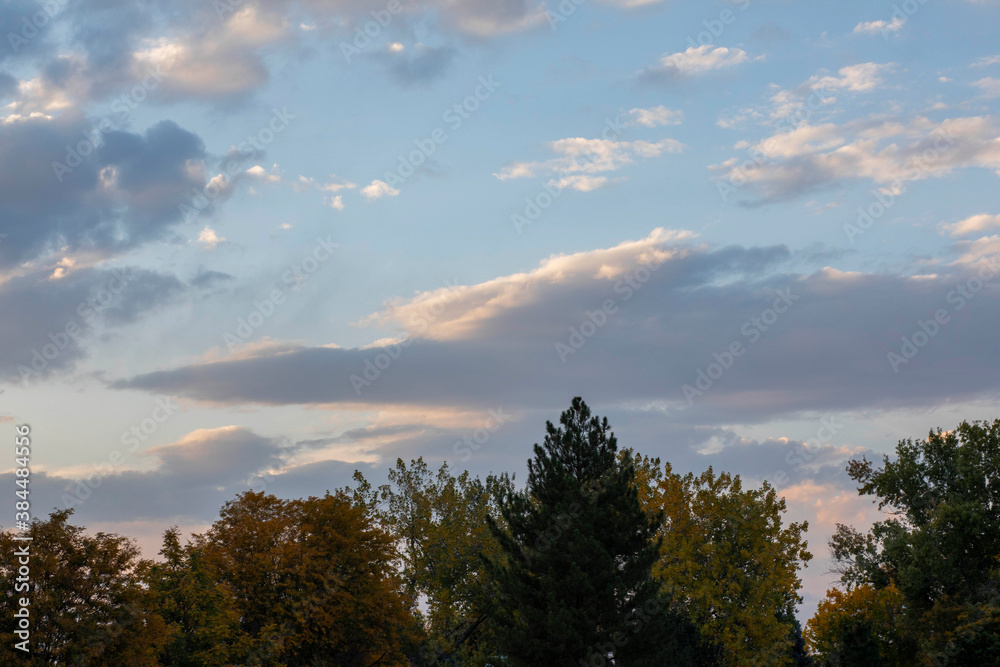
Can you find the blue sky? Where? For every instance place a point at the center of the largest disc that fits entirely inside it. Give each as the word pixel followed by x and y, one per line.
pixel 690 163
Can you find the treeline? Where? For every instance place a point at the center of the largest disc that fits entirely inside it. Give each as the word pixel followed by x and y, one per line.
pixel 604 557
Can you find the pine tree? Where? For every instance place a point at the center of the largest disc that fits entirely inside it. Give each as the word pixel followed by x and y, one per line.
pixel 574 584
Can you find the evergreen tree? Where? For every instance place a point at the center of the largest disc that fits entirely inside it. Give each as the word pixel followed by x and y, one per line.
pixel 574 583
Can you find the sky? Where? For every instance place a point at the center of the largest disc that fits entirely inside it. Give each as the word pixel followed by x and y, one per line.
pixel 259 245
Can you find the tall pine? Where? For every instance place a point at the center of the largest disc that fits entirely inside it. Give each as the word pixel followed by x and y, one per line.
pixel 574 584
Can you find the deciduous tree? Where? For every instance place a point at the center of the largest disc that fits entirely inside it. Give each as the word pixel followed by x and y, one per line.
pixel 726 551
pixel 88 602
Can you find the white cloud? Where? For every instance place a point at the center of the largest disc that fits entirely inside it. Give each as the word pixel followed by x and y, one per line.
pixel 974 253
pixel 888 153
pixel 786 103
pixel 221 63
pixel 974 224
pixel 377 189
pixel 336 202
pixel 208 238
pixel 986 61
pixel 579 156
pixel 580 182
pixel 989 86
pixel 465 310
pixel 698 60
pixel 336 186
pixel 258 173
pixel 856 78
pixel 656 116
pixel 880 27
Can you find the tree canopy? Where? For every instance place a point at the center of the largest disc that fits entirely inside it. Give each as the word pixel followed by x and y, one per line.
pixel 604 556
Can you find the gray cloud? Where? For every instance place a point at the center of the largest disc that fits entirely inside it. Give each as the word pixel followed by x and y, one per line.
pixel 828 352
pixel 125 192
pixel 206 279
pixel 425 65
pixel 192 479
pixel 55 317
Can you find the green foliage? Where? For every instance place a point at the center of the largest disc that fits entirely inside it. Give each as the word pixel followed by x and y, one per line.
pixel 440 523
pixel 863 622
pixel 88 604
pixel 940 546
pixel 604 557
pixel 200 612
pixel 727 549
pixel 312 580
pixel 574 579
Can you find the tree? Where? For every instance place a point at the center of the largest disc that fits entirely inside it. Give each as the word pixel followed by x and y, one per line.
pixel 860 626
pixel 574 582
pixel 725 550
pixel 940 545
pixel 439 521
pixel 88 603
pixel 200 612
pixel 313 581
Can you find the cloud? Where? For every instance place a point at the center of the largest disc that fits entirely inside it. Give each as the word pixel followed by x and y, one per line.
pixel 378 189
pixel 986 61
pixel 862 77
pixel 656 116
pixel 695 61
pixel 261 175
pixel 421 64
pixel 190 478
pixel 220 62
pixel 107 199
pixel 989 86
pixel 581 182
pixel 206 279
pixel 974 252
pixel 58 317
pixel 879 27
pixel 206 455
pixel 496 342
pixel 581 158
pixel 888 153
pixel 790 103
pixel 334 185
pixel 974 224
pixel 208 238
